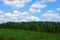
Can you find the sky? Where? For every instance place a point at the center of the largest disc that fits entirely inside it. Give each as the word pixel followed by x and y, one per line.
pixel 29 10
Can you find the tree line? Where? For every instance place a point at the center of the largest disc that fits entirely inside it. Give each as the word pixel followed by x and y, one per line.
pixel 40 26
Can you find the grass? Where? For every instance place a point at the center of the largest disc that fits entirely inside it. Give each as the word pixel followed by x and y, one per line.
pixel 10 34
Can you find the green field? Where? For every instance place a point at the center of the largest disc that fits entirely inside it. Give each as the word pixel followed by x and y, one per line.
pixel 10 34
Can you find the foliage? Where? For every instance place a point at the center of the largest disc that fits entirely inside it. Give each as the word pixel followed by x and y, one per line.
pixel 40 26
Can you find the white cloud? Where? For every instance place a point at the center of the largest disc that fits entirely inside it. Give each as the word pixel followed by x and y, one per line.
pixel 33 10
pixel 43 1
pixel 38 5
pixel 17 16
pixel 51 0
pixel 34 18
pixel 51 11
pixel 51 16
pixel 23 20
pixel 31 18
pixel 58 9
pixel 16 3
pixel 8 17
pixel 1 12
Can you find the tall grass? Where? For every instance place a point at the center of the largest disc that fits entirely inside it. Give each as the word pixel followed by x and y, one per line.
pixel 10 34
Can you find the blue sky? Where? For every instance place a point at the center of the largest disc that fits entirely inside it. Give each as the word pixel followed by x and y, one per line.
pixel 29 10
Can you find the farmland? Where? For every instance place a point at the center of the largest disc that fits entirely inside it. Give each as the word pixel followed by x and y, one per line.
pixel 11 34
pixel 30 31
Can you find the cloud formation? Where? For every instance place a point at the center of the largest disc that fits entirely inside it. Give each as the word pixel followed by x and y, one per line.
pixel 16 3
pixel 34 10
pixel 51 16
pixel 44 1
pixel 31 18
pixel 1 12
pixel 58 9
pixel 17 16
pixel 38 5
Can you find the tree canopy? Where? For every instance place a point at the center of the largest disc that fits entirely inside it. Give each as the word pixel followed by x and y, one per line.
pixel 40 26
